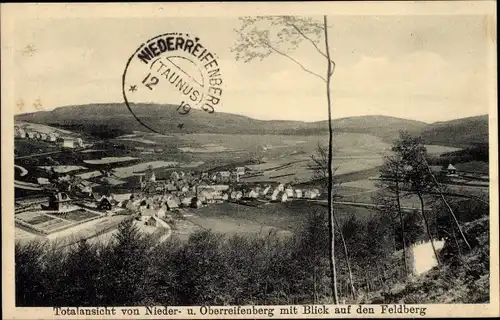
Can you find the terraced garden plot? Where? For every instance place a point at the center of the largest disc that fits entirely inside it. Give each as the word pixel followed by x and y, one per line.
pixel 78 215
pixel 39 219
pixel 53 224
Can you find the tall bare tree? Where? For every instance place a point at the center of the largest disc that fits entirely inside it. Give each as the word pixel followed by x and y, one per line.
pixel 319 167
pixel 261 36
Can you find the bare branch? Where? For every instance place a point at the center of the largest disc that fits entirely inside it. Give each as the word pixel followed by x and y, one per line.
pixel 291 58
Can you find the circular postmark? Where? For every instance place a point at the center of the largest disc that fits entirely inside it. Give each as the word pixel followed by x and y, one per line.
pixel 173 71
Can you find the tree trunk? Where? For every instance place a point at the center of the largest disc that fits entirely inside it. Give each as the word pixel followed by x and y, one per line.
pixel 331 212
pixel 427 227
pixel 351 282
pixel 401 219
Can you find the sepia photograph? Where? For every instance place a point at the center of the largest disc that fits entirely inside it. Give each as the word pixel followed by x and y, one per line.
pixel 333 163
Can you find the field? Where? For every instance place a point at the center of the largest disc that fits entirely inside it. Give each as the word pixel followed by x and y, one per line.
pixel 286 218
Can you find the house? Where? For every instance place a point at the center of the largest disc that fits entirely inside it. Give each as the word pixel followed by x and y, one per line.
pixel 207 195
pixel 131 206
pixel 171 205
pixel 85 187
pixel 68 143
pixel 265 191
pixel 251 194
pixel 273 196
pixel 38 136
pixel 60 202
pixel 297 193
pixel 151 222
pixel 235 176
pixel 51 137
pixel 310 194
pixel 196 203
pixel 221 197
pixel 19 132
pixel 158 150
pixel 186 201
pixel 174 176
pixel 31 135
pixel 281 187
pixel 224 175
pixel 148 212
pixel 104 204
pixel 282 196
pixel 452 171
pixel 43 136
pixel 289 192
pixel 278 195
pixel 236 195
pixel 240 170
pixel 79 142
pixel 162 212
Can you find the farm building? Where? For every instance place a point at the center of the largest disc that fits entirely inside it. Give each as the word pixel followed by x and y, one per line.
pixel 60 202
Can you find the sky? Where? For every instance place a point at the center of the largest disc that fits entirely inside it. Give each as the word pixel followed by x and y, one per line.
pixel 422 67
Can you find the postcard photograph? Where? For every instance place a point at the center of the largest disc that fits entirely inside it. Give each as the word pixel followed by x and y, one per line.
pixel 329 163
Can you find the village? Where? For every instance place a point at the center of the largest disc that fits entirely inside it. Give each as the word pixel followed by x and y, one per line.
pixel 52 137
pixel 153 202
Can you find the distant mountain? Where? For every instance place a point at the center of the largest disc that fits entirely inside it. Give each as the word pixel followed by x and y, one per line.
pixel 111 120
pixel 458 133
pixel 115 119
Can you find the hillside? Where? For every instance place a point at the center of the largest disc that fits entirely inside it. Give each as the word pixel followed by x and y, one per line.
pixel 458 133
pixel 108 120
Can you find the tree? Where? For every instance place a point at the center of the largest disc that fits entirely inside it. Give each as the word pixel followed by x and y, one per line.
pixel 413 153
pixel 388 198
pixel 261 36
pixel 319 167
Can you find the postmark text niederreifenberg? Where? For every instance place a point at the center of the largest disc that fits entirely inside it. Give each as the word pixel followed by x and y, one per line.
pixel 163 55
